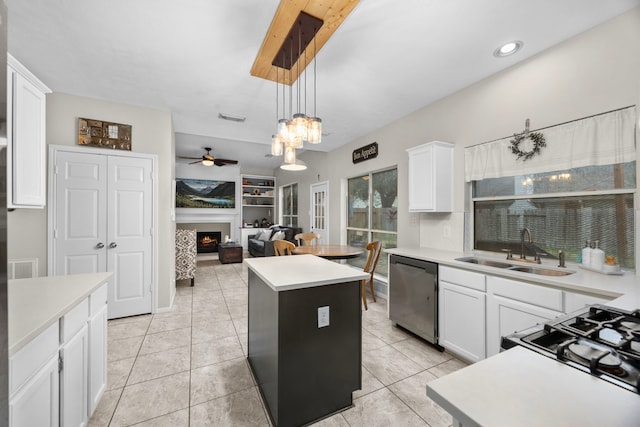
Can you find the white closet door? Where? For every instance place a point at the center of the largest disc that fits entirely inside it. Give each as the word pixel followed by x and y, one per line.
pixel 129 235
pixel 80 216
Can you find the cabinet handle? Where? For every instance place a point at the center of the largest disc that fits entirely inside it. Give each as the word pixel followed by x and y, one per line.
pixel 112 245
pixel 100 245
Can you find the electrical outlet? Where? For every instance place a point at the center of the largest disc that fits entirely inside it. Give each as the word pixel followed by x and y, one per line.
pixel 414 219
pixel 323 316
pixel 446 231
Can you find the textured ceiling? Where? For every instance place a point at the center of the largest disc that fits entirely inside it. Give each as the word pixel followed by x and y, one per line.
pixel 388 59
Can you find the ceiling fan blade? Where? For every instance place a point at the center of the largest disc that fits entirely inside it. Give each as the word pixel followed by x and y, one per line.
pixel 193 163
pixel 188 158
pixel 225 161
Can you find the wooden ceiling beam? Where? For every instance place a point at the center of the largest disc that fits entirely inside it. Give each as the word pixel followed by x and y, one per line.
pixel 332 12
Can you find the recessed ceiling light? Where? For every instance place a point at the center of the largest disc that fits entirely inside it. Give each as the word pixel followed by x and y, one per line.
pixel 508 49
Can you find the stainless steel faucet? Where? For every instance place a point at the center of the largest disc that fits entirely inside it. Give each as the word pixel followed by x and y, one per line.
pixel 522 233
pixel 561 259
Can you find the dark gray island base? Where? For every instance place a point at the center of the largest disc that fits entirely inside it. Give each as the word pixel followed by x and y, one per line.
pixel 304 372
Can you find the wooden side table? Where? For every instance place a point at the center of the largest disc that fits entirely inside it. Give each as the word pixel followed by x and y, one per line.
pixel 229 253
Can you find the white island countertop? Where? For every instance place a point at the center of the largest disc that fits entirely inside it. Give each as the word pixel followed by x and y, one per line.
pixel 34 304
pixel 285 273
pixel 519 387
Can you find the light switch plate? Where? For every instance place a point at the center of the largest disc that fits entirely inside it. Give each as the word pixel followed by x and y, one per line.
pixel 323 316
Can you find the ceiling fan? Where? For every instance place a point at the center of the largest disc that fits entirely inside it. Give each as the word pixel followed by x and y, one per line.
pixel 208 159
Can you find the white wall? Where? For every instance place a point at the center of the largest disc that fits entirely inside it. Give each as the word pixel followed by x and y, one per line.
pixel 595 72
pixel 152 132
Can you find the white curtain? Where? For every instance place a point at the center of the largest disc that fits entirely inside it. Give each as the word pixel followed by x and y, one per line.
pixel 601 140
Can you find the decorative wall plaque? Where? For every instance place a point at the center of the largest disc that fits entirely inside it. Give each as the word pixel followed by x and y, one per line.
pixel 365 153
pixel 104 134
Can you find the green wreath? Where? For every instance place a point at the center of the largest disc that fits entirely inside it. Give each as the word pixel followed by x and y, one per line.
pixel 538 143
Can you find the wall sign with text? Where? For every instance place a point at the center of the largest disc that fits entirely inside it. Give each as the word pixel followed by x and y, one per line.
pixel 365 153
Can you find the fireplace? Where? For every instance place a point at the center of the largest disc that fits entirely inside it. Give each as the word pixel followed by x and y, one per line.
pixel 208 241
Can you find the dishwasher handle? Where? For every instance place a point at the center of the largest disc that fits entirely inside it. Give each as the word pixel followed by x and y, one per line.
pixel 427 266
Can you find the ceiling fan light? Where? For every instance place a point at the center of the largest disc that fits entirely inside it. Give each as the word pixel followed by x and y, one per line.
pixel 276 145
pixel 298 165
pixel 314 130
pixel 207 162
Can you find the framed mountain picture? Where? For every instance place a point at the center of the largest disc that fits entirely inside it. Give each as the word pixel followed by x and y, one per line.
pixel 202 193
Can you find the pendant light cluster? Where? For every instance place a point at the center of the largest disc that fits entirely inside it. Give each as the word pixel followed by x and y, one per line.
pixel 296 128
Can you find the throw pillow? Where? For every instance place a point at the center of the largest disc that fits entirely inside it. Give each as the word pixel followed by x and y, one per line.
pixel 278 235
pixel 265 235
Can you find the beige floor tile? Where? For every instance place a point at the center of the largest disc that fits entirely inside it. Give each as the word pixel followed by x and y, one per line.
pixel 213 381
pixel 387 332
pixel 369 384
pixel 422 353
pixel 151 399
pixel 124 348
pixel 220 350
pixel 167 340
pixel 244 342
pixel 373 316
pixel 236 300
pixel 388 365
pixel 370 341
pixel 241 324
pixel 412 391
pixel 336 420
pixel 239 409
pixel 218 315
pixel 382 408
pixel 232 283
pixel 134 328
pixel 175 419
pixel 208 305
pixel 118 372
pixel 238 311
pixel 130 319
pixel 103 413
pixel 448 367
pixel 211 284
pixel 169 322
pixel 160 364
pixel 208 331
pixel 207 294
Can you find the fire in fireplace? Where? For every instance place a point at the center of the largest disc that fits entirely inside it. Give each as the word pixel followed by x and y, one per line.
pixel 208 241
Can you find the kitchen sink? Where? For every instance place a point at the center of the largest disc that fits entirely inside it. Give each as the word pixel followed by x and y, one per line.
pixel 487 262
pixel 540 271
pixel 514 267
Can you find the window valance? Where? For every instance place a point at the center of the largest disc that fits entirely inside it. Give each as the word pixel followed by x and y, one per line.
pixel 599 140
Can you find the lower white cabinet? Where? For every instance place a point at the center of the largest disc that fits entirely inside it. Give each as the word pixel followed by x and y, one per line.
pixel 73 380
pixel 36 404
pixel 461 312
pixel 513 306
pixel 97 347
pixel 575 301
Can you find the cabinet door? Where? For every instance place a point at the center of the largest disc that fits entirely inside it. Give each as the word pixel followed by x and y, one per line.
pixel 37 405
pixel 97 357
pixel 574 301
pixel 27 162
pixel 73 380
pixel 462 321
pixel 506 316
pixel 421 188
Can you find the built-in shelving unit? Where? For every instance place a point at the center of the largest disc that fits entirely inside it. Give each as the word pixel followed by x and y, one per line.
pixel 258 203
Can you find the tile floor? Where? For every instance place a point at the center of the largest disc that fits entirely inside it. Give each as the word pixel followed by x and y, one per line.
pixel 188 367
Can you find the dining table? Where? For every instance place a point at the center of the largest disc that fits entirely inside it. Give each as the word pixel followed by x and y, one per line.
pixel 329 251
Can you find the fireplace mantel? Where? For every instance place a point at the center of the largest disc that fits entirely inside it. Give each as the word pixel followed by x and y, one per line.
pixel 187 216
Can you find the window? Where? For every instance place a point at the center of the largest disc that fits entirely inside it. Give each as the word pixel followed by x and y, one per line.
pixel 289 203
pixel 562 209
pixel 372 214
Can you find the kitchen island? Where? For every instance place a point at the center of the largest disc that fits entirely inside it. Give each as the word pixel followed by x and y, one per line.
pixel 305 342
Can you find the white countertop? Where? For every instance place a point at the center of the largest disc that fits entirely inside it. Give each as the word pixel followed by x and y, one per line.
pixel 519 387
pixel 34 304
pixel 285 273
pixel 625 289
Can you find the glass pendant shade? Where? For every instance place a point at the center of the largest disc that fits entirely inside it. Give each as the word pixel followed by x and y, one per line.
pixel 300 125
pixel 276 145
pixel 283 130
pixel 299 165
pixel 289 154
pixel 314 130
pixel 293 137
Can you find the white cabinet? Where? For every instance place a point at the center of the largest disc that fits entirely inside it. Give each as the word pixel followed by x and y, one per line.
pixel 575 301
pixel 74 354
pixel 431 177
pixel 101 219
pixel 461 312
pixel 33 381
pixel 513 306
pixel 97 347
pixel 26 137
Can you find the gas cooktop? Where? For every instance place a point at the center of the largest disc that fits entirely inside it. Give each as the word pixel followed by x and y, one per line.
pixel 601 340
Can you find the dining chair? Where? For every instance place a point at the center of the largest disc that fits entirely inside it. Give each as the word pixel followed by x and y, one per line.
pixel 308 238
pixel 374 249
pixel 283 247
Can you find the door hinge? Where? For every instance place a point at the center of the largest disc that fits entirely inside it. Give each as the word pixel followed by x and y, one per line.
pixel 60 364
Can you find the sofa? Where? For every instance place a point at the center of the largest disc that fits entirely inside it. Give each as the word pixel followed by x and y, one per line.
pixel 261 243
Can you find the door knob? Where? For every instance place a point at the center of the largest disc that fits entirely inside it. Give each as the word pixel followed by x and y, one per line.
pixel 112 245
pixel 100 245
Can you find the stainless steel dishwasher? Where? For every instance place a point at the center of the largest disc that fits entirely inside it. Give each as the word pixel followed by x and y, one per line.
pixel 413 296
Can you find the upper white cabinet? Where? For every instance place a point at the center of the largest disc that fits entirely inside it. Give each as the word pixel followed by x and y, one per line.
pixel 431 177
pixel 26 137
